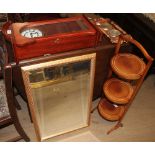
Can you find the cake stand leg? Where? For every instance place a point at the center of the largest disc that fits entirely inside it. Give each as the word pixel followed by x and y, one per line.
pixel 115 127
pixel 94 109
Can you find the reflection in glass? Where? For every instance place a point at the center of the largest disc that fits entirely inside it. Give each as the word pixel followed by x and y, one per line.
pixel 55 28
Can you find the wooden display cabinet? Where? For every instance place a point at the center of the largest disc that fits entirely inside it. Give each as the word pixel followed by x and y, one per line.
pixel 34 39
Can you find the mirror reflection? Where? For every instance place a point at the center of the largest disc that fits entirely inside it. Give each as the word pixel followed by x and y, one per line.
pixel 61 95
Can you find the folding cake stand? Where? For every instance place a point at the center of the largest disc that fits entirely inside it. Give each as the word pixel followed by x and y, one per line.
pixel 124 81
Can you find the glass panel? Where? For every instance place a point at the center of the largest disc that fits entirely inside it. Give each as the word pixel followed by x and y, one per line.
pixel 61 96
pixel 61 27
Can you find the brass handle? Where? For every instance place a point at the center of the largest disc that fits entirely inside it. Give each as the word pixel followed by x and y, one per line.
pixel 57 41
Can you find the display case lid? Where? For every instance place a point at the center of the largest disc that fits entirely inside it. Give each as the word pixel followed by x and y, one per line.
pixel 29 32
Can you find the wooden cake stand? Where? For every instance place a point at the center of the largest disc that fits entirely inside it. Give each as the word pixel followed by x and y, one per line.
pixel 118 93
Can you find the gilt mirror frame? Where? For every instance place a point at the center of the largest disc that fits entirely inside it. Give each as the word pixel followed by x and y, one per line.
pixel 25 73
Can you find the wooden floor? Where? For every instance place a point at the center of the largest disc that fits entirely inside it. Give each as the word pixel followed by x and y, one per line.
pixel 139 123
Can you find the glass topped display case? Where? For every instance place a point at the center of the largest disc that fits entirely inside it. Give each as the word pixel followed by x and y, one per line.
pixel 34 39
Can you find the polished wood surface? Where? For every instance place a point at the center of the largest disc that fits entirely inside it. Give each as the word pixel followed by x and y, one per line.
pixel 128 66
pixel 109 111
pixel 118 91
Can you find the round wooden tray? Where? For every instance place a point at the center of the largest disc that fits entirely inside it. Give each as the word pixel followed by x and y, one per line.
pixel 128 66
pixel 109 111
pixel 117 91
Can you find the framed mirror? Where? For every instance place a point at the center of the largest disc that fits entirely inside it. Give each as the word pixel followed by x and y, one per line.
pixel 60 94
